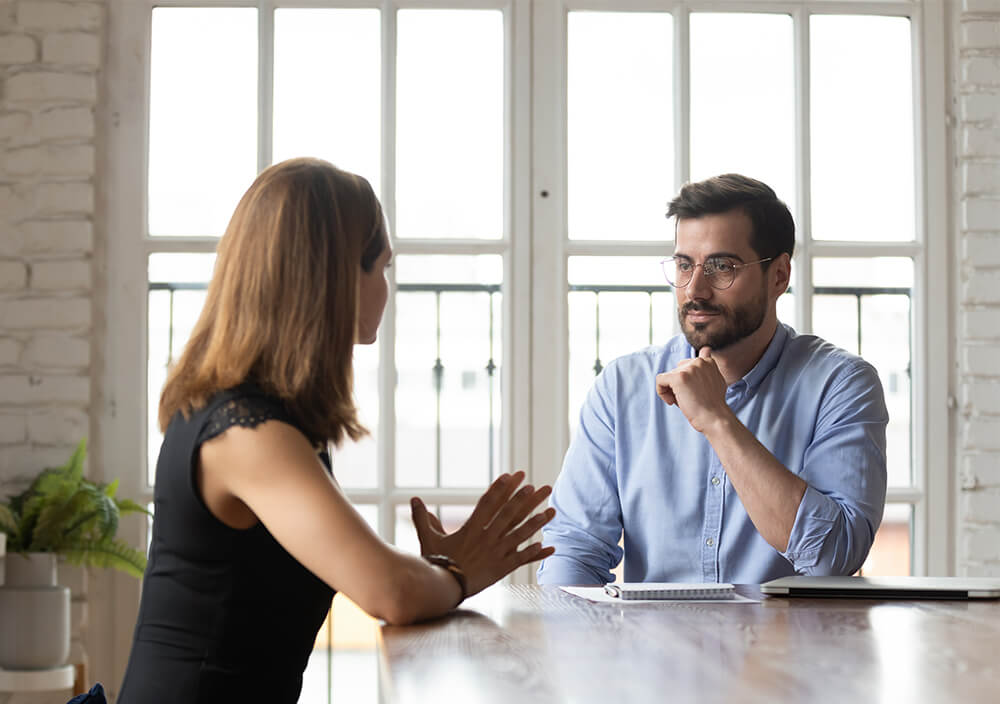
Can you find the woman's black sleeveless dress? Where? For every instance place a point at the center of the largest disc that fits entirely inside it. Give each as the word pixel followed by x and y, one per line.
pixel 226 615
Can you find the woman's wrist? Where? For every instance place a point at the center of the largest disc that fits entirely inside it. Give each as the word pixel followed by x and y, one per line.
pixel 454 570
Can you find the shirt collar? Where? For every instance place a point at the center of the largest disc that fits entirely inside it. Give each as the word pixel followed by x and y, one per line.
pixel 755 376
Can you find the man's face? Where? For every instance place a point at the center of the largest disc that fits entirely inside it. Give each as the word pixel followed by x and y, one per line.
pixel 710 316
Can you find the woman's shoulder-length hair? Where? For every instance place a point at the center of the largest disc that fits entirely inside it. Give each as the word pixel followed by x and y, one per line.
pixel 282 306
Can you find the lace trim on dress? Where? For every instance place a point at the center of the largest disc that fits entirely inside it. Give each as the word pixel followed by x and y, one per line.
pixel 247 412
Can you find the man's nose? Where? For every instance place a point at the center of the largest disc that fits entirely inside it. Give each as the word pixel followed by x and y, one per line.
pixel 698 287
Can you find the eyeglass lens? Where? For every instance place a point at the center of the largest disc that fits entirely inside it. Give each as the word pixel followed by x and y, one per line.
pixel 719 273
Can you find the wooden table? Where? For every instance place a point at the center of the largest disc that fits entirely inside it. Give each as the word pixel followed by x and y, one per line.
pixel 524 644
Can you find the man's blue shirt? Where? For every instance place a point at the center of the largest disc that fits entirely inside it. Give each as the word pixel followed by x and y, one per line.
pixel 636 464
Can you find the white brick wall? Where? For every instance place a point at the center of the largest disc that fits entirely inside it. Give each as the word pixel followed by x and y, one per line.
pixel 50 61
pixel 977 176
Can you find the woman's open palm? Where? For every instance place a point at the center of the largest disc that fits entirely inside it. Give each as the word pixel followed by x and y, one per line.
pixel 486 546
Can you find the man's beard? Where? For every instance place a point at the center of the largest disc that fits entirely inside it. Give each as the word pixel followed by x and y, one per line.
pixel 738 323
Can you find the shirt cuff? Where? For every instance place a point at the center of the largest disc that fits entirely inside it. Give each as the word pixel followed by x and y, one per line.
pixel 814 522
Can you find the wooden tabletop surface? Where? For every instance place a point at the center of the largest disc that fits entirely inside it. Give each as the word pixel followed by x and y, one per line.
pixel 522 644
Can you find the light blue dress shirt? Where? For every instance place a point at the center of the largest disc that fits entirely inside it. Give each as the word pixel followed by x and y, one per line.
pixel 636 465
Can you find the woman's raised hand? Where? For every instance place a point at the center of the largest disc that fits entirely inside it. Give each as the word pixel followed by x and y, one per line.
pixel 486 546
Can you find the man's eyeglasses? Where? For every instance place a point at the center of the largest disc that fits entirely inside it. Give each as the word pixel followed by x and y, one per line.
pixel 720 272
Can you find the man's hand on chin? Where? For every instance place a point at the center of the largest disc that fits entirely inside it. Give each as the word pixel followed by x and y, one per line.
pixel 697 387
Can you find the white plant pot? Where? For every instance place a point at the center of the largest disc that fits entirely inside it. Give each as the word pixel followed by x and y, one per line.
pixel 34 614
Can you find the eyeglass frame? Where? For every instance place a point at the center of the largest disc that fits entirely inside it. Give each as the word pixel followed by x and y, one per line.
pixel 708 277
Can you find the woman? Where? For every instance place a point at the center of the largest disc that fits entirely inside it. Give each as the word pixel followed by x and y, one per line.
pixel 252 536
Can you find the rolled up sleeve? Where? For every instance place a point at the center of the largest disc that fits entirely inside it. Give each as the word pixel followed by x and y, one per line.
pixel 845 469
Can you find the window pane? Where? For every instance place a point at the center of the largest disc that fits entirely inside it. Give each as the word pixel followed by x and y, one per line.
pixel 202 117
pixel 617 305
pixel 743 98
pixel 875 323
pixel 449 123
pixel 862 136
pixel 890 554
pixel 327 88
pixel 448 357
pixel 176 295
pixel 355 464
pixel 620 124
pixel 452 518
pixel 786 308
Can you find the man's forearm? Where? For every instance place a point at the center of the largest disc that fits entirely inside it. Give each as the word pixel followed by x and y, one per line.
pixel 770 493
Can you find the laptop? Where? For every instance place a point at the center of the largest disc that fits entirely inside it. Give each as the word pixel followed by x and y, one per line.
pixel 885 587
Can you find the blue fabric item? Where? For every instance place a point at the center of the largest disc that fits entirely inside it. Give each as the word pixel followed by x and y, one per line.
pixel 94 696
pixel 636 464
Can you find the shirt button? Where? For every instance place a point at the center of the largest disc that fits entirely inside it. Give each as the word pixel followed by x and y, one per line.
pixel 710 542
pixel 715 481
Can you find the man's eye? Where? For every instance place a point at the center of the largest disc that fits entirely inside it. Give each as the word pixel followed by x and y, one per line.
pixel 684 266
pixel 723 266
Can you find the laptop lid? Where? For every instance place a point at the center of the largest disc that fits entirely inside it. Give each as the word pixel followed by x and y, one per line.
pixel 885 587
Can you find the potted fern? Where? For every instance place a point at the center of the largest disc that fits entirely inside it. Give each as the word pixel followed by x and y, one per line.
pixel 60 514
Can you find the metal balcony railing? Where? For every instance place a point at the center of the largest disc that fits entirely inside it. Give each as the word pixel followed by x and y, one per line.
pixel 490 367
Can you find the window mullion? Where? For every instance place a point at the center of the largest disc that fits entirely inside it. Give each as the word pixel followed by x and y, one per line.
pixel 265 83
pixel 386 461
pixel 802 272
pixel 682 95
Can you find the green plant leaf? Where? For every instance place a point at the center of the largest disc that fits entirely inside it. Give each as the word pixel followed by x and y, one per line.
pixel 74 467
pixel 126 506
pixel 8 523
pixel 107 553
pixel 61 511
pixel 58 520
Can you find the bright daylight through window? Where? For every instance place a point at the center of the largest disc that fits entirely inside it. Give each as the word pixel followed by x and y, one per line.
pixel 433 106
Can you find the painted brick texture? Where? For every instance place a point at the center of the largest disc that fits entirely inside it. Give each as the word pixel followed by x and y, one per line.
pixel 50 62
pixel 977 177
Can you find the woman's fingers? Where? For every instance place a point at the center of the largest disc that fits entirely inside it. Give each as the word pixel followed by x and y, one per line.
pixel 492 500
pixel 528 528
pixel 517 509
pixel 422 521
pixel 532 553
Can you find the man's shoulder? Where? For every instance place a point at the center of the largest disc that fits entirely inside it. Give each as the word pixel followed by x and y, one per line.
pixel 813 355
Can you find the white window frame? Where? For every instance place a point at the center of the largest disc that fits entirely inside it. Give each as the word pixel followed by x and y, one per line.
pixel 123 423
pixel 534 247
pixel 930 494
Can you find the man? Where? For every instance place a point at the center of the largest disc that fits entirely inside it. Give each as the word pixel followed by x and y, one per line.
pixel 738 452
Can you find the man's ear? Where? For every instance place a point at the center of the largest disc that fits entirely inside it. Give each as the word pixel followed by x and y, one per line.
pixel 781 273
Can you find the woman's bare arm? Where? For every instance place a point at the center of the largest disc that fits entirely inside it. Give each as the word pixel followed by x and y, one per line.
pixel 274 471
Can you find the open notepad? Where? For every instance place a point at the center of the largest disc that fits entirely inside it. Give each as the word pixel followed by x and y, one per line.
pixel 669 590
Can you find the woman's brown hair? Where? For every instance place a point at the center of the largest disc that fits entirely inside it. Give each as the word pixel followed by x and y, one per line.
pixel 282 306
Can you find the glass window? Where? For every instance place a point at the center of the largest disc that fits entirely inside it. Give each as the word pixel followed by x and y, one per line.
pixel 620 125
pixel 448 358
pixel 875 322
pixel 355 464
pixel 177 284
pixel 202 117
pixel 617 305
pixel 449 124
pixel 328 89
pixel 890 553
pixel 743 98
pixel 862 138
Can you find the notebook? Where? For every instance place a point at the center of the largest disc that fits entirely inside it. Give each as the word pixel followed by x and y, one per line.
pixel 885 587
pixel 669 590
